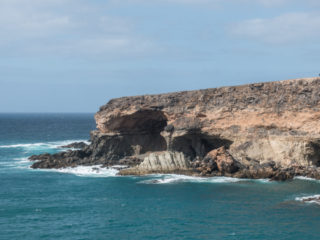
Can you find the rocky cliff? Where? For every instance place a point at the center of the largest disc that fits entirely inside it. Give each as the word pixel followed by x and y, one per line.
pixel 257 130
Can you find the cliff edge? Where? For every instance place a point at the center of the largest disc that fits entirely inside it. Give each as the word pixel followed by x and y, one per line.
pixel 263 130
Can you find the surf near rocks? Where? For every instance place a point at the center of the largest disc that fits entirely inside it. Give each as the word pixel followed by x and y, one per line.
pixel 309 199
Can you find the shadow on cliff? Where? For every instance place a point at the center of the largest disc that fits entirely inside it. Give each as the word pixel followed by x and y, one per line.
pixel 138 133
pixel 197 145
pixel 142 122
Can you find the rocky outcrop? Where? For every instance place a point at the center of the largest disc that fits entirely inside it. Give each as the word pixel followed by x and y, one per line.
pixel 77 145
pixel 164 162
pixel 256 130
pixel 217 160
pixel 310 199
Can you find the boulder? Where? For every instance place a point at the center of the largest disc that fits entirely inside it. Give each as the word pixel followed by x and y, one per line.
pixel 222 160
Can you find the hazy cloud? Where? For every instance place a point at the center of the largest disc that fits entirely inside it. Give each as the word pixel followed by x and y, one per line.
pixel 270 3
pixel 266 3
pixel 54 26
pixel 287 28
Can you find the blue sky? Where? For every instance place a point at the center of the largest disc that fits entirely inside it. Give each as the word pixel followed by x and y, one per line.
pixel 75 55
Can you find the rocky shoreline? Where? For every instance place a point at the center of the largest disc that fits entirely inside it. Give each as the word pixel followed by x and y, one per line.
pixel 265 130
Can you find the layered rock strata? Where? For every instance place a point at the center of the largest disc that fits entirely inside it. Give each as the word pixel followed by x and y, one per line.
pixel 256 130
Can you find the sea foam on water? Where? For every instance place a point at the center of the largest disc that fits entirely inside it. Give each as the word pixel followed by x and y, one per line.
pixel 42 145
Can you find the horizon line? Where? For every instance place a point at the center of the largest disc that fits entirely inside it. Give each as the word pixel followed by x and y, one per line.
pixel 47 112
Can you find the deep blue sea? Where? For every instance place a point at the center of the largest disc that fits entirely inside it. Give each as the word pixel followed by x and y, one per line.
pixel 84 203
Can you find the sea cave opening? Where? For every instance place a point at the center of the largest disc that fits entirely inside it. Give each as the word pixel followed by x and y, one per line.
pixel 314 154
pixel 143 121
pixel 197 145
pixel 140 131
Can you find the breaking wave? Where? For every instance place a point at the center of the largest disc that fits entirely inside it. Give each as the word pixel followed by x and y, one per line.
pixel 22 162
pixel 309 199
pixel 87 171
pixel 42 145
pixel 81 171
pixel 305 178
pixel 175 178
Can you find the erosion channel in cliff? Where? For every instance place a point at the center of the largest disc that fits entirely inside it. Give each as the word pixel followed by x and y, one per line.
pixel 264 130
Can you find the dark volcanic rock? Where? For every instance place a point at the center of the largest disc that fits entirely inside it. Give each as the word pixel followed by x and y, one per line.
pixel 45 156
pixel 79 145
pixel 130 161
pixel 62 159
pixel 311 199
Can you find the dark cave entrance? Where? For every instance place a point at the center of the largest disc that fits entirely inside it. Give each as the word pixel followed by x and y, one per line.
pixel 197 144
pixel 143 121
pixel 140 132
pixel 314 155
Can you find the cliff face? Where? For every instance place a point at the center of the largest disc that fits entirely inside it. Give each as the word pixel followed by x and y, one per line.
pixel 260 128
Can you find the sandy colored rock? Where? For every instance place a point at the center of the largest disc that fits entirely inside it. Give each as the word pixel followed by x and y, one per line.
pixel 165 162
pixel 266 121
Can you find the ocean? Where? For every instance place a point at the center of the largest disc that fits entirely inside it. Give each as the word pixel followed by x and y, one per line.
pixel 94 203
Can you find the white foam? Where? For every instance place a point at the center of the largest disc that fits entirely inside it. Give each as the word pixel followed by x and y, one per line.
pixel 305 199
pixel 17 163
pixel 87 171
pixel 175 178
pixel 82 171
pixel 262 180
pixel 305 178
pixel 22 160
pixel 43 145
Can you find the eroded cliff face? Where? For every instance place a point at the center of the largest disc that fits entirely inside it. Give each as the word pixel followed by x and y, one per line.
pixel 268 128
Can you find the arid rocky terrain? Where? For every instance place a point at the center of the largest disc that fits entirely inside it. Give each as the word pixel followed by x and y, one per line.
pixel 263 130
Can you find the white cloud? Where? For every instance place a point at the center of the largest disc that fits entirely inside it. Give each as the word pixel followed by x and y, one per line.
pixel 287 28
pixel 270 3
pixel 276 3
pixel 64 26
pixel 16 16
pixel 265 3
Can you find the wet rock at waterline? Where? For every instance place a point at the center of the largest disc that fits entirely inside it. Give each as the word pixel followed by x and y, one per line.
pixel 78 145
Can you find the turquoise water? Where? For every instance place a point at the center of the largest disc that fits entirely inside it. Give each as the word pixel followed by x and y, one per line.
pixel 83 203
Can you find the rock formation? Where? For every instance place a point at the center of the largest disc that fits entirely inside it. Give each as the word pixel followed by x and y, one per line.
pixel 256 130
pixel 164 162
pixel 77 145
pixel 310 199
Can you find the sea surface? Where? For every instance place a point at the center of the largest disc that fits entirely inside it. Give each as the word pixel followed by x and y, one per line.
pixel 86 203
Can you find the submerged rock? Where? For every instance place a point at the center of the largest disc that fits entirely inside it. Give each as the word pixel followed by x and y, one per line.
pixel 310 199
pixel 265 130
